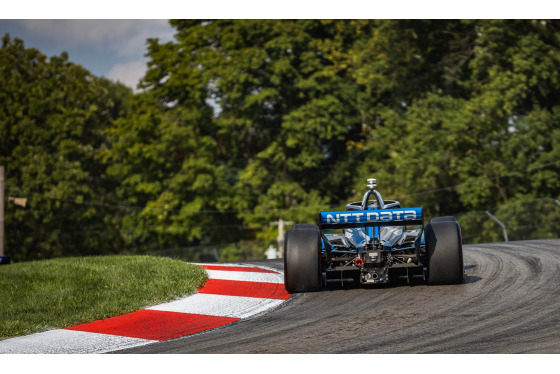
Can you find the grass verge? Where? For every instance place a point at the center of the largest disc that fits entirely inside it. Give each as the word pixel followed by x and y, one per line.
pixel 43 295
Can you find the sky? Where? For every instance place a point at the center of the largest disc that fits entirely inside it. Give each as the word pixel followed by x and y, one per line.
pixel 108 37
pixel 108 48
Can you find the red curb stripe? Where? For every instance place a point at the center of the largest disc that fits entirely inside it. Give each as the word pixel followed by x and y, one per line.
pixel 248 289
pixel 154 324
pixel 238 268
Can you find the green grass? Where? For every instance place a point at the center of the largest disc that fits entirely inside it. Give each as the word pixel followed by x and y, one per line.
pixel 43 295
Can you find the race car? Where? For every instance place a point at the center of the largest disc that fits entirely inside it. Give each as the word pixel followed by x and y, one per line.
pixel 372 242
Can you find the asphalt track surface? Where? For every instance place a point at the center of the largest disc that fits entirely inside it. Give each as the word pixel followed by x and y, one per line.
pixel 509 303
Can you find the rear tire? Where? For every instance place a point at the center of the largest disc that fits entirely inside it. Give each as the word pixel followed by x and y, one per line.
pixel 445 252
pixel 306 226
pixel 302 260
pixel 442 219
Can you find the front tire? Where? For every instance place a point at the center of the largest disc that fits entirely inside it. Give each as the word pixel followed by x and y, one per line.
pixel 445 252
pixel 302 260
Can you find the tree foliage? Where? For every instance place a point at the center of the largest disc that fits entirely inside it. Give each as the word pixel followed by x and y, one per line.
pixel 242 122
pixel 53 115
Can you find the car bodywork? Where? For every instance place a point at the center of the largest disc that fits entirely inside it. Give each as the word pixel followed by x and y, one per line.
pixel 372 242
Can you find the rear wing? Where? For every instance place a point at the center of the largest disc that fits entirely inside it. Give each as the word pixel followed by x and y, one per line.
pixel 371 218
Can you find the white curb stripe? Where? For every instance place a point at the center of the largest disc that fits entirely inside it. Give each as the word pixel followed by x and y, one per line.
pixel 68 342
pixel 220 305
pixel 246 276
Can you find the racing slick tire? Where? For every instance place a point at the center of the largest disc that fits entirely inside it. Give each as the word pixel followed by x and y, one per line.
pixel 445 252
pixel 302 260
pixel 442 219
pixel 306 226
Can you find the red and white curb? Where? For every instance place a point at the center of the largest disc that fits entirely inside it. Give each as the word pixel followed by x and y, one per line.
pixel 233 292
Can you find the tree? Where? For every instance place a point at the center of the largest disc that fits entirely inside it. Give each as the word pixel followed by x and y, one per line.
pixel 52 117
pixel 166 169
pixel 281 118
pixel 465 117
pixel 241 122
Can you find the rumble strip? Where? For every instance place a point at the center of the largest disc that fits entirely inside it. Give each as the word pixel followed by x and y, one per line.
pixel 233 292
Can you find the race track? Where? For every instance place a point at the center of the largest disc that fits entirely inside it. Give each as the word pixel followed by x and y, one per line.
pixel 509 303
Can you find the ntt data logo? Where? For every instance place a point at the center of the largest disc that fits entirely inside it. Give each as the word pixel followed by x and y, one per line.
pixel 371 216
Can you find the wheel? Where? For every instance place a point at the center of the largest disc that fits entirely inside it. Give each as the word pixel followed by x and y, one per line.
pixel 306 226
pixel 443 219
pixel 445 252
pixel 326 244
pixel 302 260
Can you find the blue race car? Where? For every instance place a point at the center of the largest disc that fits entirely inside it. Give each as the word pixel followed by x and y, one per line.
pixel 372 242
